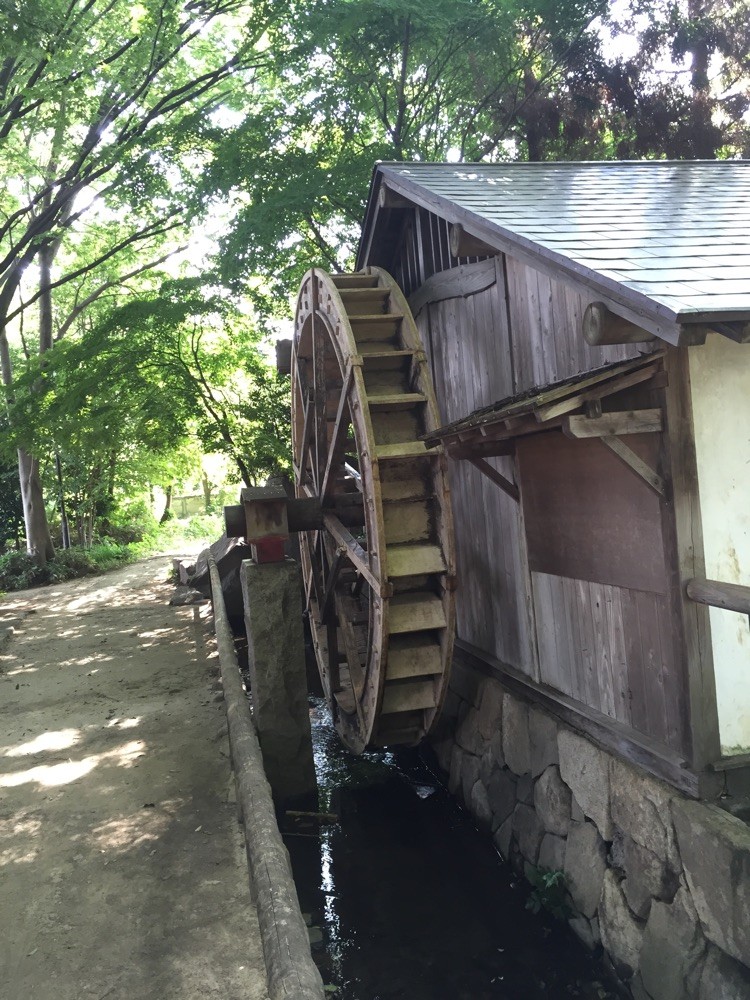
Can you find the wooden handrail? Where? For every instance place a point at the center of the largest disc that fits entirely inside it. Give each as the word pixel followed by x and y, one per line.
pixel 731 596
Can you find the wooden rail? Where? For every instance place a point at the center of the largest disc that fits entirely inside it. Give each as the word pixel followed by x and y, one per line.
pixel 730 596
pixel 290 970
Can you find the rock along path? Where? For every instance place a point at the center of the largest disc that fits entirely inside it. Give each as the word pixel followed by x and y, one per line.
pixel 122 869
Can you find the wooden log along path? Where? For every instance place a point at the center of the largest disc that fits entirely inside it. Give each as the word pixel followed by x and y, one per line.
pixel 292 975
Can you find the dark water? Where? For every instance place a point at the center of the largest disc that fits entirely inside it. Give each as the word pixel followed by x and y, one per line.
pixel 413 901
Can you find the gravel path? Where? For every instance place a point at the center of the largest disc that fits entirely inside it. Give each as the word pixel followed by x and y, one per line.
pixel 122 872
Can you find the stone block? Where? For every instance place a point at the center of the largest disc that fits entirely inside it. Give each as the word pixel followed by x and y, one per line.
pixel 672 947
pixel 467 684
pixel 616 855
pixel 495 749
pixel 491 709
pixel 622 934
pixel 552 801
pixel 647 878
pixel 723 978
pixel 715 850
pixel 479 806
pixel 586 931
pixel 276 659
pixel 516 742
pixel 528 831
pixel 585 866
pixel 489 764
pixel 525 789
pixel 451 706
pixel 585 770
pixel 468 736
pixel 454 775
pixel 470 766
pixel 640 808
pixel 443 752
pixel 501 794
pixel 503 837
pixel 576 813
pixel 552 853
pixel 543 739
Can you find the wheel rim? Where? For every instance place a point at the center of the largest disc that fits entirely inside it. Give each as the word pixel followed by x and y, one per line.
pixel 379 576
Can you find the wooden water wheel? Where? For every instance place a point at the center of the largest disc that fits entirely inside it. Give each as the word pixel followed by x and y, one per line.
pixel 379 575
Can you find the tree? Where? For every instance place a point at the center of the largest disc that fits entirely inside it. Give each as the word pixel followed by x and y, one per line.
pixel 101 105
pixel 128 396
pixel 353 82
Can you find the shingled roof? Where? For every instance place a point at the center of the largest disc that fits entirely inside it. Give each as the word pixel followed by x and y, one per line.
pixel 669 239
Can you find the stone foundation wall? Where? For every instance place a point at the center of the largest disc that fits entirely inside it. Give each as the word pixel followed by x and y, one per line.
pixel 660 882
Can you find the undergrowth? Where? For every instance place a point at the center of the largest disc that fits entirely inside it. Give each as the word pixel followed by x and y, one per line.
pixel 18 571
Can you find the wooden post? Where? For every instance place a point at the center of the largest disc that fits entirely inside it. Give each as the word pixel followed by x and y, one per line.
pixel 688 541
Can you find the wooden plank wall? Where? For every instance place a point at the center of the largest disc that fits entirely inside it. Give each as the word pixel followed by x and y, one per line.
pixel 468 343
pixel 608 647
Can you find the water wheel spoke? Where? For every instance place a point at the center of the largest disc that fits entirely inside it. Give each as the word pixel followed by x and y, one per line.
pixel 338 438
pixel 356 554
pixel 333 575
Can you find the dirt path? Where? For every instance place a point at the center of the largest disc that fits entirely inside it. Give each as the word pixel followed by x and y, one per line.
pixel 122 873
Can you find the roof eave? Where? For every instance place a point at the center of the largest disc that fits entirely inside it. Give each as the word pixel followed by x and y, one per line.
pixel 677 327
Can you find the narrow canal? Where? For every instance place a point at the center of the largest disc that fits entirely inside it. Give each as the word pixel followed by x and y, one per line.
pixel 408 900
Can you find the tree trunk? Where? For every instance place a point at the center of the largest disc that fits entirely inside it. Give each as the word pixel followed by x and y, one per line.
pixel 64 526
pixel 167 506
pixel 38 539
pixel 533 133
pixel 207 489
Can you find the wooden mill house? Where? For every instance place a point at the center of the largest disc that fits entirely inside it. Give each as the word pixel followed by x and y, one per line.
pixel 588 327
pixel 588 331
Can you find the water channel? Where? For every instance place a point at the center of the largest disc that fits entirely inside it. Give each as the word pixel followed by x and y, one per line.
pixel 408 900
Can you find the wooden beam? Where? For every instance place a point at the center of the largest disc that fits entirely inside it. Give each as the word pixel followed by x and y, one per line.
pixel 614 424
pixel 580 394
pixel 482 449
pixel 463 244
pixel 619 739
pixel 340 426
pixel 354 550
pixel 715 593
pixel 636 463
pixel 333 576
pixel 497 478
pixel 390 199
pixel 352 655
pixel 307 428
pixel 602 327
pixel 284 357
pixel 689 557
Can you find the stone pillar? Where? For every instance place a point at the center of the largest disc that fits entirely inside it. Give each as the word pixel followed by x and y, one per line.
pixel 276 655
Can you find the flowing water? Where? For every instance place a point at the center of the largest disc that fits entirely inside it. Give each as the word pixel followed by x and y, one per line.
pixel 408 900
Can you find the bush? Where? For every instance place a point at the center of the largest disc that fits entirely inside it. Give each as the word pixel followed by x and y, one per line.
pixel 19 571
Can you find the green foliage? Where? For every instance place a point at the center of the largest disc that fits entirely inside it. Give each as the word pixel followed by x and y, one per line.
pixel 549 893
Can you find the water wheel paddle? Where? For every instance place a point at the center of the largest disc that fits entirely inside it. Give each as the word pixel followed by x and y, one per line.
pixel 379 574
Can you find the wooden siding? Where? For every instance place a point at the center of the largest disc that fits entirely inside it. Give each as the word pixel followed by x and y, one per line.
pixel 604 638
pixel 423 250
pixel 611 648
pixel 467 339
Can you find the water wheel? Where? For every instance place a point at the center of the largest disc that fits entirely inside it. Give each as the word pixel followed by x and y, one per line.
pixel 379 574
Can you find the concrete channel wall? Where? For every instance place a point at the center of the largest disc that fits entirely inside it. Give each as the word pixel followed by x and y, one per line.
pixel 661 882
